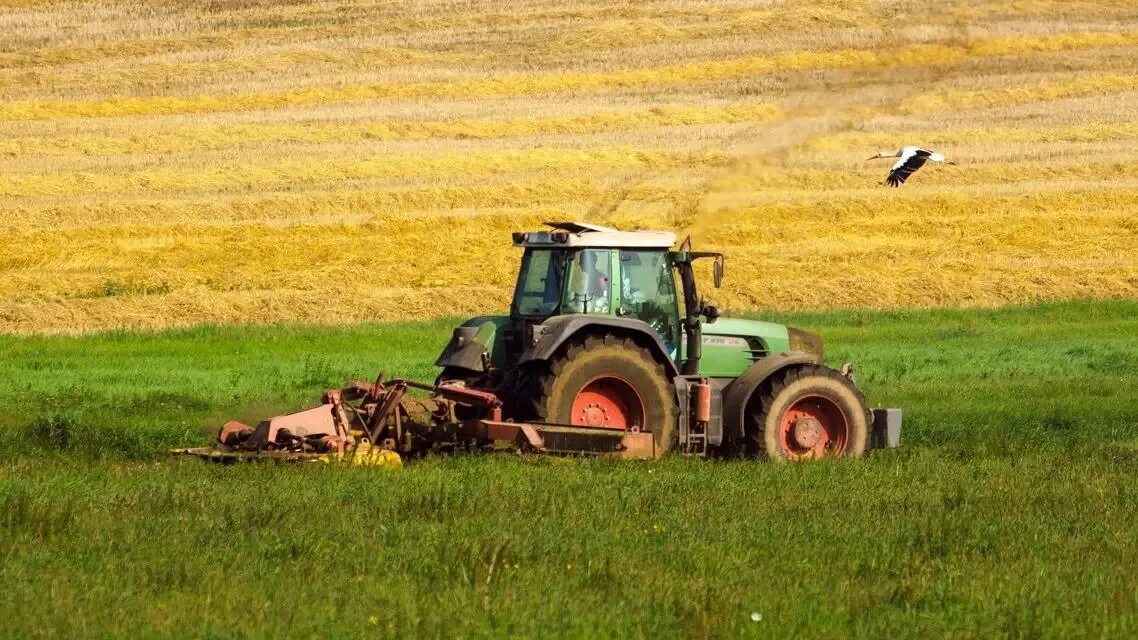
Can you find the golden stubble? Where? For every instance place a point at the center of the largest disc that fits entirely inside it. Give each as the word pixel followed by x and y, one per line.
pixel 338 162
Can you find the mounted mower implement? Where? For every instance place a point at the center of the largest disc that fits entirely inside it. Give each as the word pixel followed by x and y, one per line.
pixel 595 357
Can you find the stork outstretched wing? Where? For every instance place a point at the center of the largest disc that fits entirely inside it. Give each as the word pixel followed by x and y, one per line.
pixel 906 166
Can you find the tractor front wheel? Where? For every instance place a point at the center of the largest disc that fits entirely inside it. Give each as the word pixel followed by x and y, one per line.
pixel 808 413
pixel 609 382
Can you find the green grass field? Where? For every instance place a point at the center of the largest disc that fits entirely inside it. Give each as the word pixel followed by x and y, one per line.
pixel 1007 513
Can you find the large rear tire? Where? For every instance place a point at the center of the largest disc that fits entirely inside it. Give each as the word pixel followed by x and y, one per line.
pixel 807 413
pixel 609 382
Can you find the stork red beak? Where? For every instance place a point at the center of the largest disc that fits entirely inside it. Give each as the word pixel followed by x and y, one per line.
pixel 872 158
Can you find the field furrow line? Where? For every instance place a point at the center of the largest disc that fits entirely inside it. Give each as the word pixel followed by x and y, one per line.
pixel 218 137
pixel 685 73
pixel 932 136
pixel 287 207
pixel 324 171
pixel 1027 93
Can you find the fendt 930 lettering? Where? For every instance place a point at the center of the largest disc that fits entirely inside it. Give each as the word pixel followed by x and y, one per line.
pixel 608 349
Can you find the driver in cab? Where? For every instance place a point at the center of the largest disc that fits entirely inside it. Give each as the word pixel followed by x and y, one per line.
pixel 596 285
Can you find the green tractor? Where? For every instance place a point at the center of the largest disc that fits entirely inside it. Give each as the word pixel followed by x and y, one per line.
pixel 608 348
pixel 607 329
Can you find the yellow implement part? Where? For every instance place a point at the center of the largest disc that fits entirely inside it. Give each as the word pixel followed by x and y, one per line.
pixel 366 455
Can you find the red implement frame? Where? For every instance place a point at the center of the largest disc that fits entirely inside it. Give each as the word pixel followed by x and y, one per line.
pixel 384 418
pixel 638 445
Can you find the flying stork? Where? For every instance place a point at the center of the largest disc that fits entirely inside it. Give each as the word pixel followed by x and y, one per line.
pixel 911 159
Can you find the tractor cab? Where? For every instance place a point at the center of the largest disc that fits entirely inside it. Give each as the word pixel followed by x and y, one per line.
pixel 593 270
pixel 578 279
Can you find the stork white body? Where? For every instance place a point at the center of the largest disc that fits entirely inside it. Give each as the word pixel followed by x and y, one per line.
pixel 910 159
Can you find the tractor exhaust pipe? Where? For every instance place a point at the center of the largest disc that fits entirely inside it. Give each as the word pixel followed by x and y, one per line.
pixel 694 331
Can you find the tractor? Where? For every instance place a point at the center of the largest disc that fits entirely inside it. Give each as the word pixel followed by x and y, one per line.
pixel 608 348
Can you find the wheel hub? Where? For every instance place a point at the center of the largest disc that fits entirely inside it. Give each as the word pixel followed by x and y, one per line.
pixel 813 426
pixel 807 431
pixel 594 415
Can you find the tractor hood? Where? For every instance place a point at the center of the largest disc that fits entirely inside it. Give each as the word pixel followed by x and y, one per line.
pixel 772 334
pixel 732 345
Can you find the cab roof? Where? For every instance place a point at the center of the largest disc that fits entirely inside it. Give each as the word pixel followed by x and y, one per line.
pixel 582 234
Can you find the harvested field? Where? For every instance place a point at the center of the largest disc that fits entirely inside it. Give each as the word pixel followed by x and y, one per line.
pixel 239 162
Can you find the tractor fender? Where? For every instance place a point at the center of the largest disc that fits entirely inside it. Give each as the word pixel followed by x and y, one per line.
pixel 464 351
pixel 558 330
pixel 739 392
pixel 474 345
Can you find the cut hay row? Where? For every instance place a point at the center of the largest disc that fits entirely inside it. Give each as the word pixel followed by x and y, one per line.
pixel 1033 231
pixel 851 141
pixel 334 172
pixel 278 208
pixel 1119 9
pixel 617 34
pixel 1018 46
pixel 233 28
pixel 780 210
pixel 568 82
pixel 853 173
pixel 158 75
pixel 1035 92
pixel 272 304
pixel 217 137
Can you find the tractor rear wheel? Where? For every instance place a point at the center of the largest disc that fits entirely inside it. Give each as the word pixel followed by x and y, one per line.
pixel 608 382
pixel 808 413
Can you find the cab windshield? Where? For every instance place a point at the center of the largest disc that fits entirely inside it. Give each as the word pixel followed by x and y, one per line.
pixel 538 291
pixel 559 281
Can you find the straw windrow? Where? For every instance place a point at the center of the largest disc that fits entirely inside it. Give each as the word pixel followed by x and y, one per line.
pixel 341 162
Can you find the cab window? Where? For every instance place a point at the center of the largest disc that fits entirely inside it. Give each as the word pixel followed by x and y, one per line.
pixel 648 292
pixel 538 290
pixel 589 287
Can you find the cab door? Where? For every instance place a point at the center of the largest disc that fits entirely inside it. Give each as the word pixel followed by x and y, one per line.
pixel 589 286
pixel 647 291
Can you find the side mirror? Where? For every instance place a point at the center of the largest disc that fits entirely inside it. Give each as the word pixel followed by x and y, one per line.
pixel 711 312
pixel 718 271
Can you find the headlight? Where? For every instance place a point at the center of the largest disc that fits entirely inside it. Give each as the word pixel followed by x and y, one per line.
pixel 805 342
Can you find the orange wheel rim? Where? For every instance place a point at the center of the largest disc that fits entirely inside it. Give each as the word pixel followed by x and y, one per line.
pixel 610 402
pixel 813 426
